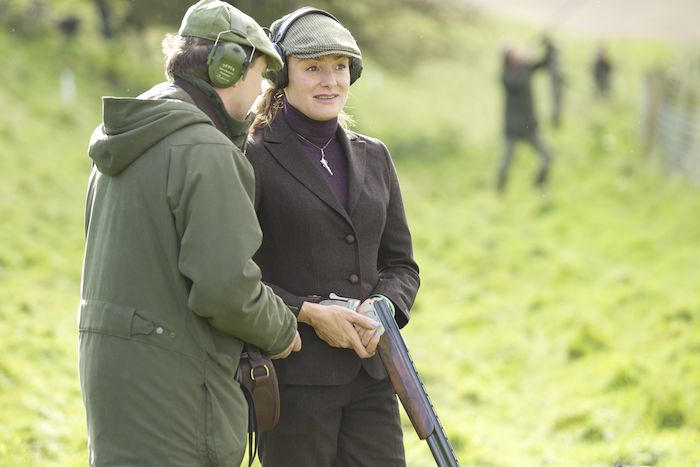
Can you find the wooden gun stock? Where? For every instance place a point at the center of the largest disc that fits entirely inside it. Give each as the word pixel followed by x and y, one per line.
pixel 409 387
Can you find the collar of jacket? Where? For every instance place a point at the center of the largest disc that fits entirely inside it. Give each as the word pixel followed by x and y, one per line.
pixel 208 101
pixel 282 143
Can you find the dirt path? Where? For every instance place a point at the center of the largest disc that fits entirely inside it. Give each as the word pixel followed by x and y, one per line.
pixel 677 20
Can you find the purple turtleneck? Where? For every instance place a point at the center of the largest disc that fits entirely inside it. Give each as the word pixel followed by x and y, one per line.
pixel 320 133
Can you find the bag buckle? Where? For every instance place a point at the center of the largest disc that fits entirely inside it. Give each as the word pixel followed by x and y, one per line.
pixel 252 372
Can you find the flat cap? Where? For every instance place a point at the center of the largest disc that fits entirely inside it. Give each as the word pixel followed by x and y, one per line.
pixel 212 19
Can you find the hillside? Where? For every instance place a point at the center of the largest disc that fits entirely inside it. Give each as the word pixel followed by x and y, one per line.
pixel 672 19
pixel 557 329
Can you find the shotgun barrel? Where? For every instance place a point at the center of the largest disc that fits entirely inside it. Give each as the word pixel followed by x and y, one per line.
pixel 409 387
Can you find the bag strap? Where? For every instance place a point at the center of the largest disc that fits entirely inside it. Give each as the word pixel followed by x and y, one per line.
pixel 245 366
pixel 253 352
pixel 253 438
pixel 258 381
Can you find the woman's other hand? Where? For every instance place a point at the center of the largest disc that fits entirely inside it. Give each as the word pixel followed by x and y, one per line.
pixel 369 337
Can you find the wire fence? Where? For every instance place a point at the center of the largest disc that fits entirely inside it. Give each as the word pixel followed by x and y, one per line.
pixel 671 120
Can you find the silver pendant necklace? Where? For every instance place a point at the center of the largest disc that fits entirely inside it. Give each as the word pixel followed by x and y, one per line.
pixel 323 161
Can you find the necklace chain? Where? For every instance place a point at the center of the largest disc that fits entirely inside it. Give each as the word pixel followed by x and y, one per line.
pixel 323 160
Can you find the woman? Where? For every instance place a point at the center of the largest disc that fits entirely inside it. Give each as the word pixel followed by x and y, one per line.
pixel 330 208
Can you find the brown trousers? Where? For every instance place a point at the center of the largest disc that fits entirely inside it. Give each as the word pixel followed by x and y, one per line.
pixel 352 425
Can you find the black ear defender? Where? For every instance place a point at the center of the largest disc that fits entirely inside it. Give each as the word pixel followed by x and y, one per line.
pixel 280 78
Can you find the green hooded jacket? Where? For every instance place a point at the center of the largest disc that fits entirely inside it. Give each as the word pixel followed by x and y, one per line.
pixel 169 290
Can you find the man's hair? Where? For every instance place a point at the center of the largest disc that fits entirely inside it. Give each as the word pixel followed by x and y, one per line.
pixel 187 56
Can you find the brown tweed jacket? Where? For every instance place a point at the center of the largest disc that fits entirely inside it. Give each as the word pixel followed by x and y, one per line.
pixel 313 246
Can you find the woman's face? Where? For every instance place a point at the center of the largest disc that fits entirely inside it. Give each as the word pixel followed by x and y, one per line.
pixel 318 87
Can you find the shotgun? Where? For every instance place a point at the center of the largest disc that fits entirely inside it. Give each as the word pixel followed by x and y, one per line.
pixel 409 386
pixel 404 378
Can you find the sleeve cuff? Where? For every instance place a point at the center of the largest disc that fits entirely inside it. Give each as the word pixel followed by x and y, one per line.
pixel 391 304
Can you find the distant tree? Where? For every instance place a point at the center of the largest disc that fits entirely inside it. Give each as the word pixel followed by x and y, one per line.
pixel 25 18
pixel 105 18
pixel 69 25
pixel 141 14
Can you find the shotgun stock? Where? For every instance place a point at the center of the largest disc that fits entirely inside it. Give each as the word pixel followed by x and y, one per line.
pixel 409 387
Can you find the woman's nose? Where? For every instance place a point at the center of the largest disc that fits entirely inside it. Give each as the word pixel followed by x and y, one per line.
pixel 328 77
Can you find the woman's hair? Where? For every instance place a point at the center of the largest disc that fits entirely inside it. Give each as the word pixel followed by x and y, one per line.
pixel 187 56
pixel 272 100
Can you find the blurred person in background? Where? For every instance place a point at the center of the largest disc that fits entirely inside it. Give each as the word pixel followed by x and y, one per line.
pixel 330 207
pixel 556 79
pixel 602 68
pixel 169 291
pixel 520 119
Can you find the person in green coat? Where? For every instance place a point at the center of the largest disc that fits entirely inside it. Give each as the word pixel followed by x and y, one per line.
pixel 169 291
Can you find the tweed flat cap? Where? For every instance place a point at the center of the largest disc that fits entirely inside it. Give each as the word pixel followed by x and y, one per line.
pixel 317 35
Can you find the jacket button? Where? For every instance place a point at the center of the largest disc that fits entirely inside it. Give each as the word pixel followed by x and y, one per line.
pixel 353 279
pixel 349 239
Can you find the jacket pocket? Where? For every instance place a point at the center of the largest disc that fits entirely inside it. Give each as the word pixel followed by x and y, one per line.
pixel 225 423
pixel 112 319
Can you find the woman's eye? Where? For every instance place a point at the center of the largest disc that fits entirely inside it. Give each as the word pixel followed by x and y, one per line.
pixel 312 68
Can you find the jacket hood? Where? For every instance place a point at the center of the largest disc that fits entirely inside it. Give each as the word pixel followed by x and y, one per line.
pixel 133 125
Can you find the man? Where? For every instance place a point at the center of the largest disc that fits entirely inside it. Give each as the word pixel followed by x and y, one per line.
pixel 602 68
pixel 520 119
pixel 169 290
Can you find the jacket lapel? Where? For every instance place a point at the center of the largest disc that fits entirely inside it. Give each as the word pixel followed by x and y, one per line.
pixel 356 152
pixel 285 147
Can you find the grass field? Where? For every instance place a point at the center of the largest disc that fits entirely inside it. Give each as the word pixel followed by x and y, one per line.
pixel 551 329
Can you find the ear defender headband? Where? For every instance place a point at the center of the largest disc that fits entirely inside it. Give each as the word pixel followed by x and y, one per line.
pixel 280 78
pixel 227 62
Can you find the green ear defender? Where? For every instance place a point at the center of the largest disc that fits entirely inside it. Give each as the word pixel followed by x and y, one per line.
pixel 227 64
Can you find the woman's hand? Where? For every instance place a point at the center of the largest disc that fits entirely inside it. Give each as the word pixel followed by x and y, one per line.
pixel 295 346
pixel 368 337
pixel 338 326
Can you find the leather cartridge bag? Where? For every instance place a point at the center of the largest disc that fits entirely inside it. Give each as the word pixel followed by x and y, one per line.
pixel 256 374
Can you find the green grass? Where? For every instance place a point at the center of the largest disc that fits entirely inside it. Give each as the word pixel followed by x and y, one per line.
pixel 550 330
